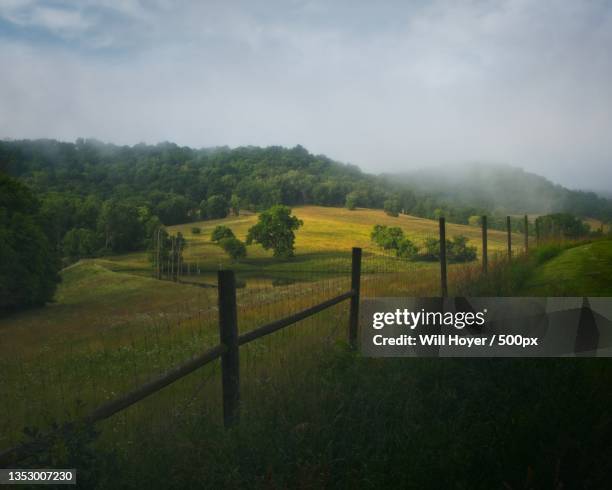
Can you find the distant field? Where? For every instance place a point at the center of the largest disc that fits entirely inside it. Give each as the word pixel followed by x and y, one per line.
pixel 327 235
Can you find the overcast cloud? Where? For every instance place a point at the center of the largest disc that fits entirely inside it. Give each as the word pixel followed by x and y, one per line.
pixel 389 86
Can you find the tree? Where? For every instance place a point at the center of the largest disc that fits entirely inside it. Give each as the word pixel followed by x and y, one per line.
pixel 220 232
pixel 235 204
pixel 173 210
pixel 352 200
pixel 78 243
pixel 233 247
pixel 216 207
pixel 275 230
pixel 120 226
pixel 392 207
pixel 29 264
pixel 386 237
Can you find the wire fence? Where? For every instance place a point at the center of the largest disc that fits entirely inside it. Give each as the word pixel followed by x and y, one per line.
pixel 65 382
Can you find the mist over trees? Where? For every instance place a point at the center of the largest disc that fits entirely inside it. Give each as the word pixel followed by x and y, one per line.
pixel 504 189
pixel 98 198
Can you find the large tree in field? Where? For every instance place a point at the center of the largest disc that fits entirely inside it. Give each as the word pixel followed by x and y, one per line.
pixel 29 264
pixel 275 230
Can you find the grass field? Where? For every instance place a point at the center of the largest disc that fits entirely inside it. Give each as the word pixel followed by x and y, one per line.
pixel 112 326
pixel 106 294
pixel 580 271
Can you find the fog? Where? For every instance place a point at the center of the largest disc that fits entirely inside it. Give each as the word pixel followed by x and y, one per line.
pixel 388 87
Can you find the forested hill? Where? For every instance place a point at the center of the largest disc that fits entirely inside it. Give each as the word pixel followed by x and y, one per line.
pixel 505 189
pixel 180 184
pixel 256 177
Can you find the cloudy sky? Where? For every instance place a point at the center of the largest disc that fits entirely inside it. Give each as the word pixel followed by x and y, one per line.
pixel 389 86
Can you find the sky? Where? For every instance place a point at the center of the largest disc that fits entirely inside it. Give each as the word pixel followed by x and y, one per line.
pixel 390 86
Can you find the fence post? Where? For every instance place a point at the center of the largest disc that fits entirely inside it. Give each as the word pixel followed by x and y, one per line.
pixel 443 279
pixel 485 257
pixel 356 287
pixel 508 226
pixel 526 233
pixel 537 232
pixel 228 333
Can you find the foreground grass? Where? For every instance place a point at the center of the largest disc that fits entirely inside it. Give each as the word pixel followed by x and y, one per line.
pixel 353 422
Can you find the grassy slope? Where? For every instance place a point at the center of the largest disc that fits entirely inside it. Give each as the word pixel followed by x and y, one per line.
pixel 327 233
pixel 92 299
pixel 579 271
pixel 104 293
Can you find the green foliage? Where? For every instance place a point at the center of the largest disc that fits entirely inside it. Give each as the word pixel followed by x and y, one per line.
pixel 407 249
pixel 235 204
pixel 174 209
pixel 392 207
pixel 562 225
pixel 457 250
pixel 120 225
pixel 275 230
pixel 215 207
pixel 392 238
pixel 196 230
pixel 352 200
pixel 233 247
pixel 29 264
pixel 220 232
pixel 79 242
pixel 386 237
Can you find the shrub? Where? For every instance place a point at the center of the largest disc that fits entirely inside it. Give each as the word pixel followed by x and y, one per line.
pixel 233 247
pixel 386 237
pixel 221 232
pixel 196 230
pixel 407 249
pixel 457 250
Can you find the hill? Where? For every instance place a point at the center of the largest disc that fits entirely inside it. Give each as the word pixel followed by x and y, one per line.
pixel 505 189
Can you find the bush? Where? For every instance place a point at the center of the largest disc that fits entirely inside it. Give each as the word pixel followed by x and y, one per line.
pixel 221 232
pixel 392 238
pixel 457 250
pixel 386 237
pixel 196 230
pixel 407 249
pixel 233 247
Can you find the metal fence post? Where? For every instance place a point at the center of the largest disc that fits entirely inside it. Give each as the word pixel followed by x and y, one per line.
pixel 228 333
pixel 509 227
pixel 485 257
pixel 356 288
pixel 526 233
pixel 443 278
